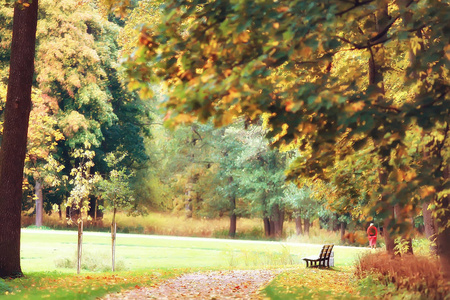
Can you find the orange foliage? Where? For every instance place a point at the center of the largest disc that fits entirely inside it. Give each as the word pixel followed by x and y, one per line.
pixel 414 273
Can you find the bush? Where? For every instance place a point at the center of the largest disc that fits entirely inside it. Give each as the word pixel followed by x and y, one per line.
pixel 415 274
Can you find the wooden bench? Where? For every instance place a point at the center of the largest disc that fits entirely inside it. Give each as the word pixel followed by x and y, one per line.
pixel 323 260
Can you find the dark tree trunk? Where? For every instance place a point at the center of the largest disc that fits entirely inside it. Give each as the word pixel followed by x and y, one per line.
pixel 430 226
pixel 233 218
pixel 401 219
pixel 298 225
pixel 443 238
pixel 14 142
pixel 336 224
pixel 306 225
pixel 233 221
pixel 271 228
pixel 387 232
pixel 343 225
pixel 278 220
pixel 267 229
pixel 390 218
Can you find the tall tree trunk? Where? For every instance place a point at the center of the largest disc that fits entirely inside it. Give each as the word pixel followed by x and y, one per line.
pixel 14 141
pixel 39 203
pixel 233 217
pixel 387 232
pixel 298 225
pixel 277 220
pixel 430 226
pixel 233 221
pixel 343 225
pixel 267 227
pixel 401 219
pixel 306 225
pixel 443 237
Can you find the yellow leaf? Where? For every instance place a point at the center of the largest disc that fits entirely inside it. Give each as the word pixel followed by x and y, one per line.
pixel 242 37
pixel 357 106
pixel 426 191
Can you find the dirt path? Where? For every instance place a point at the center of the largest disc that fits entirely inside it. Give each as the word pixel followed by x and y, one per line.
pixel 210 285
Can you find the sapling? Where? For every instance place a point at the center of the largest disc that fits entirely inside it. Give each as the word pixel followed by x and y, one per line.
pixel 115 189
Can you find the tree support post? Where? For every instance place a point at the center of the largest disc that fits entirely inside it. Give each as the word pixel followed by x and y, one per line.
pixel 113 240
pixel 80 245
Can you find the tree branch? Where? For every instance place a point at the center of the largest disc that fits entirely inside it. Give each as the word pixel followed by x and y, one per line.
pixel 388 108
pixel 385 30
pixel 356 4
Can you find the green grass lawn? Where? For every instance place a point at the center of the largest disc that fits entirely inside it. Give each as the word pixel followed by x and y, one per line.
pixel 43 249
pixel 48 261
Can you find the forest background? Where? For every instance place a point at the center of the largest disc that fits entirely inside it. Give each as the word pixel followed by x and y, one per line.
pixel 81 103
pixel 362 126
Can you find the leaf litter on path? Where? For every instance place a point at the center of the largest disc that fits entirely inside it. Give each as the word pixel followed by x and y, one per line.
pixel 236 284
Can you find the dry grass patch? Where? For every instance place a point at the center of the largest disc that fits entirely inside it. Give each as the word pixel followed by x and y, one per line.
pixel 416 274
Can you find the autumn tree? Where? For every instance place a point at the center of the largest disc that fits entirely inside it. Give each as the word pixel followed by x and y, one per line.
pixel 41 169
pixel 83 182
pixel 115 189
pixel 77 68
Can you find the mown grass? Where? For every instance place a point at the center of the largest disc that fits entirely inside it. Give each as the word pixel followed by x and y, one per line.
pixel 147 259
pixel 43 250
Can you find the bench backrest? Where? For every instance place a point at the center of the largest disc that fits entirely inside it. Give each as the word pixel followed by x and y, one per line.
pixel 326 251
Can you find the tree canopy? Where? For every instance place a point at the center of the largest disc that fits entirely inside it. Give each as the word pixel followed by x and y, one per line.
pixel 339 79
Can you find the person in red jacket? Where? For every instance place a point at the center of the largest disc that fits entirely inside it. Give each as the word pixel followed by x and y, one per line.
pixel 372 233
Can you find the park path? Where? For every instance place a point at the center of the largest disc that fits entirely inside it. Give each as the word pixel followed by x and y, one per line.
pixel 236 284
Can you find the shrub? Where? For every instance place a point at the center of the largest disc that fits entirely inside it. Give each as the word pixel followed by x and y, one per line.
pixel 416 274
